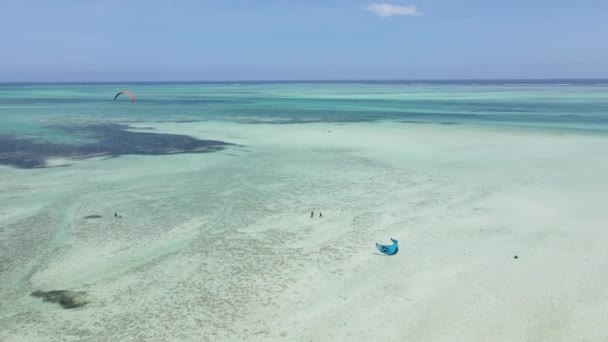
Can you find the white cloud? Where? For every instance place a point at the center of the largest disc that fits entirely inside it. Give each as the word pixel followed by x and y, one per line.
pixel 388 10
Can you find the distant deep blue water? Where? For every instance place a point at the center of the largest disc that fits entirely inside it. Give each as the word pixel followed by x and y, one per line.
pixel 31 109
pixel 564 81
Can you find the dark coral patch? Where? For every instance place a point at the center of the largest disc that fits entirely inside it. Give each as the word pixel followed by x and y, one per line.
pixel 66 298
pixel 104 139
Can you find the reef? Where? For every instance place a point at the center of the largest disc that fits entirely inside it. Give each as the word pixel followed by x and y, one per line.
pixel 100 139
pixel 66 298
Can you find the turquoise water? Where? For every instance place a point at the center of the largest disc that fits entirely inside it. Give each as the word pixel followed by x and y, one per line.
pixel 216 240
pixel 29 109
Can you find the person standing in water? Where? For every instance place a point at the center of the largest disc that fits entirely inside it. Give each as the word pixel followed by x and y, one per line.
pixel 312 214
pixel 320 214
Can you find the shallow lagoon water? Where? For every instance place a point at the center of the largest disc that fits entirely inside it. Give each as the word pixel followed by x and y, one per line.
pixel 220 246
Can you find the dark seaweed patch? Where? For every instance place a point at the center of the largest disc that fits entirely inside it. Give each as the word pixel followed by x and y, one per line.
pixel 66 298
pixel 107 139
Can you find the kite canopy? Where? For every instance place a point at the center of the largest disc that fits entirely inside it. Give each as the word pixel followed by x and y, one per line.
pixel 389 249
pixel 128 93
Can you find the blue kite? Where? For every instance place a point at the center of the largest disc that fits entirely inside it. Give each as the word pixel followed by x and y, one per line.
pixel 389 249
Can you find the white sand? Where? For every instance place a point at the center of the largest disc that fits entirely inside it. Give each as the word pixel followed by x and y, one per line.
pixel 220 247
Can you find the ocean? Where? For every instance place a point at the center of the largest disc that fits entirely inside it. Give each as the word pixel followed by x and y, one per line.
pixel 186 215
pixel 575 104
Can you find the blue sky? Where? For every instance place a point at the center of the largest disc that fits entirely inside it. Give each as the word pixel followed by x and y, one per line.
pixel 107 40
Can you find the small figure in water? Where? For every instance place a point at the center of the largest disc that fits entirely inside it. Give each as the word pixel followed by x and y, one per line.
pixel 320 214
pixel 312 214
pixel 115 215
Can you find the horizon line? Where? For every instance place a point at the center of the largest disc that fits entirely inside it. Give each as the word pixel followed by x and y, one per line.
pixel 317 80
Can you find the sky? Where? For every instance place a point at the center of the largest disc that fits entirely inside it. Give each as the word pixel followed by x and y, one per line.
pixel 206 40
